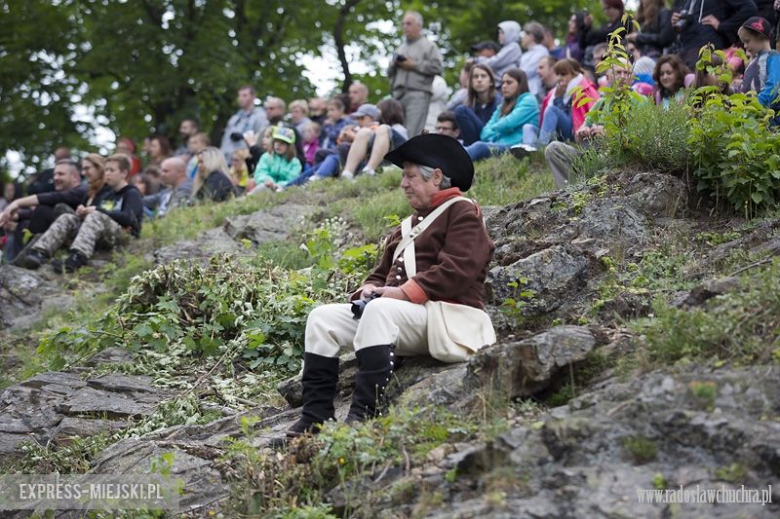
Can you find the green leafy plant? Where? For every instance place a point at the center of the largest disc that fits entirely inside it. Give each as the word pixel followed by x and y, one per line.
pixel 513 307
pixel 734 150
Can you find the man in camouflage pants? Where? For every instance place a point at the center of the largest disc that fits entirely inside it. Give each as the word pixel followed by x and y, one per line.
pixel 107 224
pixel 95 227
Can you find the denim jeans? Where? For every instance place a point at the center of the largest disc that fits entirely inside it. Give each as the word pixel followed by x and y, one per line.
pixel 469 124
pixel 482 150
pixel 556 122
pixel 301 179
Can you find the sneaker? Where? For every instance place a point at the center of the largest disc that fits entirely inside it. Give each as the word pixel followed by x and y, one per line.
pixel 521 151
pixel 32 260
pixel 75 261
pixel 347 174
pixel 369 172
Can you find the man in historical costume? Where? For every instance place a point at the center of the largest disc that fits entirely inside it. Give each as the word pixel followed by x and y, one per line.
pixel 438 257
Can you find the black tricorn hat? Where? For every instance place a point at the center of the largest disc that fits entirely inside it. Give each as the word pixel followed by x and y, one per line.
pixel 437 151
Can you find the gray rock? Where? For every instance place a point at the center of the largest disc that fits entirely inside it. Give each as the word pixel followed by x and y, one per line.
pixel 268 225
pixel 760 240
pixel 445 387
pixel 57 406
pixel 212 242
pixel 575 464
pixel 524 368
pixel 118 383
pixel 70 428
pixel 111 355
pixel 655 194
pixel 551 273
pixel 613 222
pixel 276 223
pixel 197 451
pixel 193 463
pixel 22 293
pixel 709 289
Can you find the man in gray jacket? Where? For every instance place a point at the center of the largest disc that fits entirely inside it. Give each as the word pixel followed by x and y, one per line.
pixel 248 118
pixel 177 191
pixel 414 65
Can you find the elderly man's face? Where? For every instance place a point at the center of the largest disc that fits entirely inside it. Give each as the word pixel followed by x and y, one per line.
pixel 317 106
pixel 417 190
pixel 412 28
pixel 274 110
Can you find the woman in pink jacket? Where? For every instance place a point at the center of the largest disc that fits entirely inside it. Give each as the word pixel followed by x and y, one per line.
pixel 562 110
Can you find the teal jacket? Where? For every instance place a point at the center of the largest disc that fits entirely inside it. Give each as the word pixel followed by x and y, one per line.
pixel 508 129
pixel 276 168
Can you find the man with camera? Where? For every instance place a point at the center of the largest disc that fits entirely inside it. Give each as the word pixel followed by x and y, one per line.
pixel 248 118
pixel 425 297
pixel 701 22
pixel 415 63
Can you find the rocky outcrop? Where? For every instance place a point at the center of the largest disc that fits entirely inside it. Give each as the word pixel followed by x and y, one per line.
pixel 268 225
pixel 56 406
pixel 210 243
pixel 524 368
pixel 276 223
pixel 552 245
pixel 195 453
pixel 24 294
pixel 586 459
pixel 593 457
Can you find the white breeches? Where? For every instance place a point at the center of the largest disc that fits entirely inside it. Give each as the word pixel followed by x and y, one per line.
pixel 330 328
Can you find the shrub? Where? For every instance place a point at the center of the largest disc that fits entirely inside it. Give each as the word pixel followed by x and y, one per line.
pixel 245 306
pixel 734 151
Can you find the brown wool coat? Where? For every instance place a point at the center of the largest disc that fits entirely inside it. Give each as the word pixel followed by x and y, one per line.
pixel 452 257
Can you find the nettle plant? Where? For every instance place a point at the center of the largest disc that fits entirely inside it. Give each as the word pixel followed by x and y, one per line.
pixel 733 147
pixel 246 306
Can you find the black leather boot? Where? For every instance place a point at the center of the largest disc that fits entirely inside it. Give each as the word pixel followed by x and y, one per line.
pixel 320 377
pixel 375 366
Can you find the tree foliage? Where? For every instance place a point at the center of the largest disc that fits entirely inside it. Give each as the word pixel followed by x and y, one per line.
pixel 139 67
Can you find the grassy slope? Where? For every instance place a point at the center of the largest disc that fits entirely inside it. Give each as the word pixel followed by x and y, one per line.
pixel 365 205
pixel 670 336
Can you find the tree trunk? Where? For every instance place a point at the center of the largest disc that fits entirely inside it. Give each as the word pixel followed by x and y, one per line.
pixel 338 37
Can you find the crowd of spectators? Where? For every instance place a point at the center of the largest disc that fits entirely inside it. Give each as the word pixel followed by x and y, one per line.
pixel 524 92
